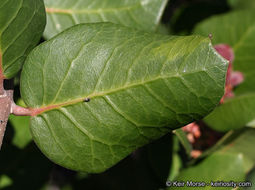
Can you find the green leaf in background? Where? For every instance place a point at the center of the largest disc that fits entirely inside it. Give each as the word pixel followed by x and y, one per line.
pixel 242 142
pixel 111 89
pixel 176 163
pixel 242 4
pixel 236 29
pixel 217 167
pixel 230 160
pixel 235 142
pixel 20 124
pixel 22 134
pixel 21 26
pixel 140 14
pixel 5 181
pixel 233 114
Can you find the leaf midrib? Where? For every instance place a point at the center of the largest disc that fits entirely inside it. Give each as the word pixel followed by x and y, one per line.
pixel 40 110
pixel 53 10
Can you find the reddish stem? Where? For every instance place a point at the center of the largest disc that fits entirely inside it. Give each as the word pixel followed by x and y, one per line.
pixel 20 111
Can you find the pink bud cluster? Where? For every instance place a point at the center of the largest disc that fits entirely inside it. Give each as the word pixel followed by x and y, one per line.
pixel 233 78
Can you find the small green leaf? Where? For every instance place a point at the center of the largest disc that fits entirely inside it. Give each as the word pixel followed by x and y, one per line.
pixel 99 91
pixel 176 163
pixel 176 166
pixel 236 29
pixel 21 26
pixel 233 114
pixel 182 137
pixel 140 14
pixel 217 167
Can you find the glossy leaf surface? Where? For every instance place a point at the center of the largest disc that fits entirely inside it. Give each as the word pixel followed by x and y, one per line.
pixel 21 25
pixel 99 91
pixel 140 14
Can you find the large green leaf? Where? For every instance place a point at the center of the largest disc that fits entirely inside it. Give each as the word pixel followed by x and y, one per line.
pixel 137 83
pixel 140 14
pixel 233 114
pixel 21 25
pixel 225 167
pixel 238 30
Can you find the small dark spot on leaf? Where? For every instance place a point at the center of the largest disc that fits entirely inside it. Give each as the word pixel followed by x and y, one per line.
pixel 86 99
